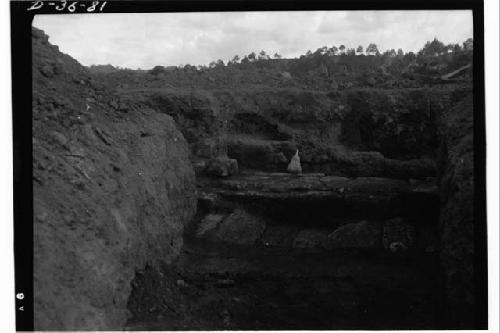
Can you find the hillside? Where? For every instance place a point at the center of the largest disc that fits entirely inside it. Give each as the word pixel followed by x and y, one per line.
pixel 318 71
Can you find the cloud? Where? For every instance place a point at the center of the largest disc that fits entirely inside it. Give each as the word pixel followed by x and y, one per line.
pixel 149 39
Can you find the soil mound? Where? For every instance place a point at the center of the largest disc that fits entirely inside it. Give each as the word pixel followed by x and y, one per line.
pixel 113 189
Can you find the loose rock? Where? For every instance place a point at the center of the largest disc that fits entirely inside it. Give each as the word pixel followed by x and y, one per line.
pixel 221 167
pixel 363 234
pixel 240 227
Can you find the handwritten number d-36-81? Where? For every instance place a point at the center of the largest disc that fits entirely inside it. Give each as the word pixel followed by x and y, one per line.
pixel 63 4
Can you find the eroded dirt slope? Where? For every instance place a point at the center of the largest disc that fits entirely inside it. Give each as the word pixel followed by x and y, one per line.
pixel 113 189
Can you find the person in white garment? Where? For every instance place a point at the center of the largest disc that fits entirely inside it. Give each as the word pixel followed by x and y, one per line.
pixel 294 165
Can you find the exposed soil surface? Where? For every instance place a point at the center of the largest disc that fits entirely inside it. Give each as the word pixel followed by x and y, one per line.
pixel 234 288
pixel 163 202
pixel 112 192
pixel 246 265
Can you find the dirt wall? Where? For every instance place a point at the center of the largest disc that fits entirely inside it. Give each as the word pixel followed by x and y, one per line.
pixel 113 189
pixel 457 221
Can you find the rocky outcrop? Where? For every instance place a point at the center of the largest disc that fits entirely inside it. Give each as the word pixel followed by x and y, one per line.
pixel 254 153
pixel 363 234
pixel 457 223
pixel 239 227
pixel 113 188
pixel 322 199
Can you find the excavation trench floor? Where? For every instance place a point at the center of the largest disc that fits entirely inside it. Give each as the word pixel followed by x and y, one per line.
pixel 222 287
pixel 263 286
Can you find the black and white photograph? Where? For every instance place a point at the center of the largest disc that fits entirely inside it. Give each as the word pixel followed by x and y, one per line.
pixel 249 168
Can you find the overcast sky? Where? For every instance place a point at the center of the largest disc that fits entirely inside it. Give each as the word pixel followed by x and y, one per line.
pixel 146 40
